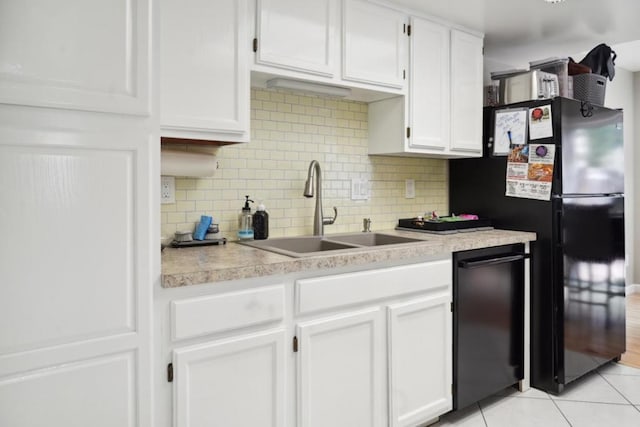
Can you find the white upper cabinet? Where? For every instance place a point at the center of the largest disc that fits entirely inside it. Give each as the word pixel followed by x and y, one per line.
pixel 374 44
pixel 74 54
pixel 442 115
pixel 204 71
pixel 429 85
pixel 298 35
pixel 466 92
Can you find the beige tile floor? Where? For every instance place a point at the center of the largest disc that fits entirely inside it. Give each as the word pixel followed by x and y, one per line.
pixel 608 397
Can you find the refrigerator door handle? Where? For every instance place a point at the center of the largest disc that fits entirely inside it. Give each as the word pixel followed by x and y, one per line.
pixel 586 196
pixel 558 227
pixel 483 262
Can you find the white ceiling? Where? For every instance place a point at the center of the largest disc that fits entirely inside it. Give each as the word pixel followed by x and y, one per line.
pixel 519 31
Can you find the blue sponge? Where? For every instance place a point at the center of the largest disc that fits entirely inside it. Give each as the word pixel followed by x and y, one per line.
pixel 203 226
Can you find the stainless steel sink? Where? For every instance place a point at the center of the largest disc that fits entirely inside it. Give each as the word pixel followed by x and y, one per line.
pixel 316 245
pixel 299 244
pixel 372 239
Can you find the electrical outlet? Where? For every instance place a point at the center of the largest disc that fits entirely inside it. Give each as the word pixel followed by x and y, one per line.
pixel 409 189
pixel 167 189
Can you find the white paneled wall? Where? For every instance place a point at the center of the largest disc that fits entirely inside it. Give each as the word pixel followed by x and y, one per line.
pixel 636 187
pixel 620 94
pixel 78 144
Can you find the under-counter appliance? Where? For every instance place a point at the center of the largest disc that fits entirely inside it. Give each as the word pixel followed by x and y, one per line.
pixel 578 259
pixel 488 322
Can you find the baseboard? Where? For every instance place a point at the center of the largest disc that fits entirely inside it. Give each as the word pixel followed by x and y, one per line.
pixel 632 289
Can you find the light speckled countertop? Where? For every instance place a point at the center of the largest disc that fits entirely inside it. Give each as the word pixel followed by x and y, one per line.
pixel 192 266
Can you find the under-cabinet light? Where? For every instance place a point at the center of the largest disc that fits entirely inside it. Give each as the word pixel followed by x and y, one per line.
pixel 337 91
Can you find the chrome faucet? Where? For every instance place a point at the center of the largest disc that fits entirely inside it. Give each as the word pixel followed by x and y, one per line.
pixel 319 221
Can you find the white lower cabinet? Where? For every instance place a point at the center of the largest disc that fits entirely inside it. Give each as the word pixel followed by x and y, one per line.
pixel 420 359
pixel 387 363
pixel 367 348
pixel 231 382
pixel 341 370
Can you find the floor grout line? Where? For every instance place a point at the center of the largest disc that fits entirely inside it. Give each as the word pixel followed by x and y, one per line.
pixel 562 413
pixel 558 399
pixel 486 423
pixel 591 401
pixel 619 375
pixel 614 387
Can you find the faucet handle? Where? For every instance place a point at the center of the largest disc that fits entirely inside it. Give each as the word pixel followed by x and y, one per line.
pixel 327 220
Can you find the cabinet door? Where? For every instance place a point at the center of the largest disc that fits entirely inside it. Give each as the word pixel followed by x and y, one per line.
pixel 466 92
pixel 75 335
pixel 298 35
pixel 235 382
pixel 341 371
pixel 420 369
pixel 73 54
pixel 429 85
pixel 374 44
pixel 205 75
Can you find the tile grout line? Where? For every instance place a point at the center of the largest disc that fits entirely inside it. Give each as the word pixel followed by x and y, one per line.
pixel 562 413
pixel 590 401
pixel 614 387
pixel 486 423
pixel 533 398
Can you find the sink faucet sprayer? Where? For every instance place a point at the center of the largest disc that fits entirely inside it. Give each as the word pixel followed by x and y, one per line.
pixel 319 221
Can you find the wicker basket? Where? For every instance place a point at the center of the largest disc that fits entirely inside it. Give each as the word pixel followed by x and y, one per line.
pixel 590 88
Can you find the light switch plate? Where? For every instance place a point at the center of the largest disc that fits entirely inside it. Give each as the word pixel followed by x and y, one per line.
pixel 360 189
pixel 409 189
pixel 167 189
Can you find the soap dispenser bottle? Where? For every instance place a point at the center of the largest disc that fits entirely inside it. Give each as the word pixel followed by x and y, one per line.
pixel 245 224
pixel 261 223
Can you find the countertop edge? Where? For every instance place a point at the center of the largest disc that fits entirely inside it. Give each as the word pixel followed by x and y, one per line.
pixel 201 265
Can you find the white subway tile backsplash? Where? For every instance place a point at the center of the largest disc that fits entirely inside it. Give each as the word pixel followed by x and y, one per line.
pixel 288 130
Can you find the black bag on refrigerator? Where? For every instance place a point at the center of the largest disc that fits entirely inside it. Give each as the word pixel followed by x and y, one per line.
pixel 601 59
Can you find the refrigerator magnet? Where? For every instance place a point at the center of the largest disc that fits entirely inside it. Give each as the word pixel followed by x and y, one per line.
pixel 510 130
pixel 540 124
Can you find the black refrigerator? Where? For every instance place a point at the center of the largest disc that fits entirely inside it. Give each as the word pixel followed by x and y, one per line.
pixel 578 260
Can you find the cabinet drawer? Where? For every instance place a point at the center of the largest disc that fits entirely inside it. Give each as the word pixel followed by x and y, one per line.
pixel 218 313
pixel 340 290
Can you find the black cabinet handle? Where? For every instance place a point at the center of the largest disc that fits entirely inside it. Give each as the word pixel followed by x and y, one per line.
pixel 483 262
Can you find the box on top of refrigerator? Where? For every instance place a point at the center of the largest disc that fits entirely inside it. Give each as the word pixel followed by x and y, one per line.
pixel 519 86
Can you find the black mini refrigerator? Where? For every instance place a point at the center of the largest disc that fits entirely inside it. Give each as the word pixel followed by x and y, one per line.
pixel 578 260
pixel 488 322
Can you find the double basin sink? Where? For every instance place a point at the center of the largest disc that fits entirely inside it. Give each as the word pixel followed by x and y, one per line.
pixel 318 245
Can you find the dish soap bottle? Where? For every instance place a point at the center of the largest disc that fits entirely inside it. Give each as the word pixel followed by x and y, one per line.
pixel 260 223
pixel 245 225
